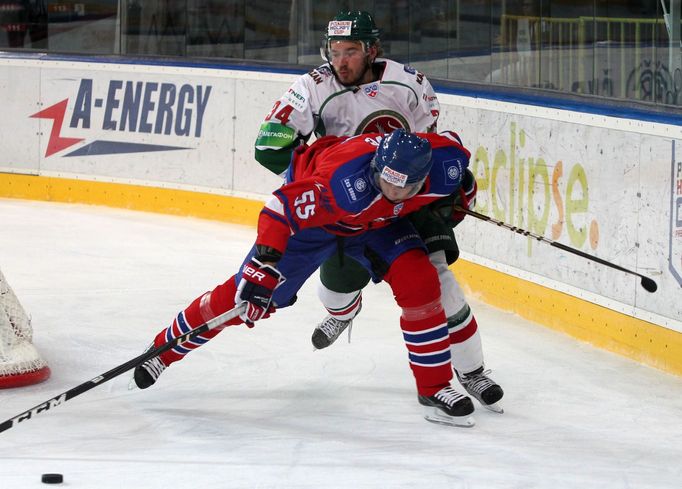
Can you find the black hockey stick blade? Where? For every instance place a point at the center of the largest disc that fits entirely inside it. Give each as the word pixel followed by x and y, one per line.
pixel 120 369
pixel 648 284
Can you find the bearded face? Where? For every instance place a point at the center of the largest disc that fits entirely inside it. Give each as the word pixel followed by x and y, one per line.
pixel 352 64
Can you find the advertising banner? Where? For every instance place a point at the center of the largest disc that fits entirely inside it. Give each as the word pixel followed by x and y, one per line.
pixel 604 186
pixel 606 191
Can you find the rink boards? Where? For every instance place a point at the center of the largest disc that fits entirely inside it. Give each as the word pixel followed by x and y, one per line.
pixel 179 139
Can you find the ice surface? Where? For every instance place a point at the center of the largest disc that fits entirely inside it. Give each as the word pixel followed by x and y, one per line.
pixel 260 409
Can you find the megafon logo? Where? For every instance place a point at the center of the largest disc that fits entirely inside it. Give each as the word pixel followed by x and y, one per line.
pixel 129 107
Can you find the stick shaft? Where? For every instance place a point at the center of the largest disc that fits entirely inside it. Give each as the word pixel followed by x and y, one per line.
pixel 120 369
pixel 537 237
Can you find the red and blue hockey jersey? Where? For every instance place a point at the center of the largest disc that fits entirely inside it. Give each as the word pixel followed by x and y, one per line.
pixel 330 184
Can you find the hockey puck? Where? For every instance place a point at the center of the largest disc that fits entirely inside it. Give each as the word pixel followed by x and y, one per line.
pixel 52 478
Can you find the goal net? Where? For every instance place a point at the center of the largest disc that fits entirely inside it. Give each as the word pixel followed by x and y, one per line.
pixel 20 362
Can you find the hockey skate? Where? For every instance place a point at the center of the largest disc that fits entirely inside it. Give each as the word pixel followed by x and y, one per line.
pixel 483 388
pixel 329 330
pixel 146 375
pixel 448 407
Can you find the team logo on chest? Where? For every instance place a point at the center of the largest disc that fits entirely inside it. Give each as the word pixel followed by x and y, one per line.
pixel 382 121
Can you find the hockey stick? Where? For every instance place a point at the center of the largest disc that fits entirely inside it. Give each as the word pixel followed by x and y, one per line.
pixel 124 367
pixel 648 284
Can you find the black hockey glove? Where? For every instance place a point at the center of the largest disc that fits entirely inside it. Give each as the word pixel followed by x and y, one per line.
pixel 466 198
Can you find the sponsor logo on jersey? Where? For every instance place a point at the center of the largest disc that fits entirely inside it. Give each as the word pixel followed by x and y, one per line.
pixel 264 133
pixel 371 90
pixel 383 121
pixel 274 136
pixel 398 208
pixel 360 185
pixel 127 107
pixel 296 99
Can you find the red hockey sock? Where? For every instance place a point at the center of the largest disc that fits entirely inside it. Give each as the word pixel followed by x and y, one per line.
pixel 416 289
pixel 202 309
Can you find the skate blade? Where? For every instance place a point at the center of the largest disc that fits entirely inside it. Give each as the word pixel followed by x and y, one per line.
pixel 493 407
pixel 435 415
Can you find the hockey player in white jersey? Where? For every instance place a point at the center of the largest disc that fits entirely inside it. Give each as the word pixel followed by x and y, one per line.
pixel 359 91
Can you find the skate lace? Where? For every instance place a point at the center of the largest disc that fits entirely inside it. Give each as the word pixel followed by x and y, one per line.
pixel 448 395
pixel 478 382
pixel 154 366
pixel 333 327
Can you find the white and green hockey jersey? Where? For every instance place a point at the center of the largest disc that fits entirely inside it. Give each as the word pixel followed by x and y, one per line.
pixel 318 104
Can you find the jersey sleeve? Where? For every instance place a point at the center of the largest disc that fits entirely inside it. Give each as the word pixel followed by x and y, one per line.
pixel 424 106
pixel 450 165
pixel 289 123
pixel 428 108
pixel 295 206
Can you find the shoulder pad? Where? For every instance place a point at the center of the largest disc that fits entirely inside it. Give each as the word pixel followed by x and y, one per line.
pixel 348 170
pixel 352 188
pixel 449 165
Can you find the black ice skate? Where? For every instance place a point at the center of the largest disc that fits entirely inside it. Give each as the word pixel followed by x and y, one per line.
pixel 146 374
pixel 483 388
pixel 449 407
pixel 329 330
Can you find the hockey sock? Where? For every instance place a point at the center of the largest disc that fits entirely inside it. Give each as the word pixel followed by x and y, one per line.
pixel 203 308
pixel 465 341
pixel 340 305
pixel 422 320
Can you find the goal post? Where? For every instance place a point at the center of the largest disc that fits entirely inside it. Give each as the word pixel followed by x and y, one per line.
pixel 20 362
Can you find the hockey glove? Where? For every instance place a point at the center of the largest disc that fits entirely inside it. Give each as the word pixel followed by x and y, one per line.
pixel 256 286
pixel 467 196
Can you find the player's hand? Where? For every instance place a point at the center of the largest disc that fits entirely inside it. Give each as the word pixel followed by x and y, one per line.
pixel 467 196
pixel 256 286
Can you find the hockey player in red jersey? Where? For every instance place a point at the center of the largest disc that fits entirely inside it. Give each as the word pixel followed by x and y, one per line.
pixel 357 90
pixel 351 193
